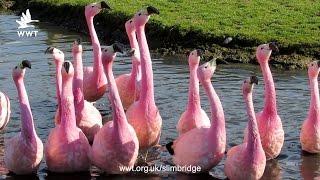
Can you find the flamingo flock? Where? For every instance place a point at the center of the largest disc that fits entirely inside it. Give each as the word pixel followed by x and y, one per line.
pixel 80 139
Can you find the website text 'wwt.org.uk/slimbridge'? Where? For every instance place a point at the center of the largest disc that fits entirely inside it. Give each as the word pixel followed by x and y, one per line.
pixel 161 168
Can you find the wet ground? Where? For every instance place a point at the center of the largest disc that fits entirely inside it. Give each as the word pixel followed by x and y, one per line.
pixel 171 87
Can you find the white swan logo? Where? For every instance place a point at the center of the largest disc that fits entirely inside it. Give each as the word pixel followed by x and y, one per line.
pixel 24 22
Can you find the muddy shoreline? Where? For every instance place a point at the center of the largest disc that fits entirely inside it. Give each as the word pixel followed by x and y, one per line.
pixel 166 41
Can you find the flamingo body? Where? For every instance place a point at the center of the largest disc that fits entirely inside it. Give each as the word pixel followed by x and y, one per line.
pixel 5 110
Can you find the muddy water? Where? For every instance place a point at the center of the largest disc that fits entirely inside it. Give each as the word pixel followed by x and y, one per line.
pixel 171 86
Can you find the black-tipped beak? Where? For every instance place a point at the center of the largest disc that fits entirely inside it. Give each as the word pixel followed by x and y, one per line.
pixel 254 79
pixel 152 10
pixel 49 50
pixel 199 52
pixel 78 41
pixel 26 64
pixel 273 46
pixel 66 66
pixel 131 52
pixel 117 47
pixel 318 62
pixel 104 5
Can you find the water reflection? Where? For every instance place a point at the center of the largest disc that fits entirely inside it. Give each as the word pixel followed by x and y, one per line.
pixel 310 166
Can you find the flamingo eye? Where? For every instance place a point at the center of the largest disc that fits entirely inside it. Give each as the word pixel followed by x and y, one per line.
pixel 139 14
pixel 261 48
pixel 131 21
pixel 191 53
pixel 311 64
pixel 92 6
pixel 16 67
pixel 206 67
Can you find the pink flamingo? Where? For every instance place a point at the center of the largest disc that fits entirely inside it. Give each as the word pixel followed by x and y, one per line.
pixel 5 110
pixel 269 123
pixel 94 82
pixel 309 136
pixel 127 83
pixel 89 119
pixel 203 146
pixel 248 160
pixel 23 152
pixel 116 144
pixel 194 116
pixel 67 148
pixel 58 57
pixel 143 114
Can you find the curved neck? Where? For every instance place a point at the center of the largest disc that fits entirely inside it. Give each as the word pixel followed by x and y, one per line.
pixel 147 91
pixel 27 125
pixel 194 97
pixel 97 64
pixel 217 128
pixel 270 104
pixel 314 114
pixel 78 85
pixel 68 119
pixel 118 114
pixel 253 132
pixel 58 84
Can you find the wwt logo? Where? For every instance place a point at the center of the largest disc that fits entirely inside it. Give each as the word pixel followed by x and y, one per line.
pixel 24 23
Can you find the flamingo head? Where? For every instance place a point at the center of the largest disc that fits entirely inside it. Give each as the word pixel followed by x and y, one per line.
pixel 206 70
pixel 141 18
pixel 58 55
pixel 194 57
pixel 94 8
pixel 19 70
pixel 67 70
pixel 134 55
pixel 130 28
pixel 109 52
pixel 313 69
pixel 264 51
pixel 77 47
pixel 247 85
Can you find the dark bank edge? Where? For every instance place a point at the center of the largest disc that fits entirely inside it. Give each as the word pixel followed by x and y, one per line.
pixel 167 41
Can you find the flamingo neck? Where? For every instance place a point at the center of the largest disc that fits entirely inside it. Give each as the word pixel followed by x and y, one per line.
pixel 254 142
pixel 27 125
pixel 68 119
pixel 119 117
pixel 217 128
pixel 147 91
pixel 194 97
pixel 58 83
pixel 314 109
pixel 135 70
pixel 270 104
pixel 97 64
pixel 78 85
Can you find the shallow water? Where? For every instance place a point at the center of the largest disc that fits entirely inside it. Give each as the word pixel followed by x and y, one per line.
pixel 171 86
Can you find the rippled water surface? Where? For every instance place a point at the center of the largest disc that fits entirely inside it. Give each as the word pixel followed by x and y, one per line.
pixel 171 86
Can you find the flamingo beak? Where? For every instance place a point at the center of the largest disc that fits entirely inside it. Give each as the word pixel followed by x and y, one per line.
pixel 49 50
pixel 152 10
pixel 131 52
pixel 104 5
pixel 273 47
pixel 254 79
pixel 318 62
pixel 213 63
pixel 66 66
pixel 26 64
pixel 199 52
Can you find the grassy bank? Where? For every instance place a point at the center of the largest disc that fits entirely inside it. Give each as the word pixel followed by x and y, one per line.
pixel 294 24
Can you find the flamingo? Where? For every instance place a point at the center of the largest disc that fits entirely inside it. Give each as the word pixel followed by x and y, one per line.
pixel 247 160
pixel 67 148
pixel 23 152
pixel 58 57
pixel 127 83
pixel 309 135
pixel 5 110
pixel 94 82
pixel 203 146
pixel 269 123
pixel 143 114
pixel 116 144
pixel 194 116
pixel 89 119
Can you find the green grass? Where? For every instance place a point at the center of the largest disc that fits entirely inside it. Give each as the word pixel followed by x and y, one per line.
pixel 290 22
